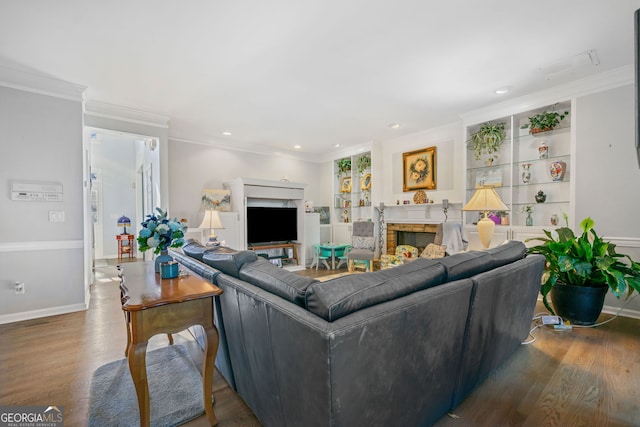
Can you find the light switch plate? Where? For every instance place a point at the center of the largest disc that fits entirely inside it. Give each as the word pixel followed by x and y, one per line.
pixel 56 216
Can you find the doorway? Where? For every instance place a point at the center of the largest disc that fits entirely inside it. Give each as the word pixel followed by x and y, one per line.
pixel 124 175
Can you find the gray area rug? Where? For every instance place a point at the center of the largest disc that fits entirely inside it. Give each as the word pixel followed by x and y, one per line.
pixel 175 391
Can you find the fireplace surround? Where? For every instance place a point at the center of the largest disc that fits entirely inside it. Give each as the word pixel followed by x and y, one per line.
pixel 422 234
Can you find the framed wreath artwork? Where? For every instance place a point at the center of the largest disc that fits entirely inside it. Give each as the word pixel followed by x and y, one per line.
pixel 419 169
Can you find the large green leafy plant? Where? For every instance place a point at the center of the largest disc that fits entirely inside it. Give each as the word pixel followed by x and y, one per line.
pixel 488 139
pixel 545 121
pixel 585 260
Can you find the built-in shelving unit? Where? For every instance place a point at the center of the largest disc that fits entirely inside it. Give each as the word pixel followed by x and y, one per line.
pixel 352 195
pixel 522 168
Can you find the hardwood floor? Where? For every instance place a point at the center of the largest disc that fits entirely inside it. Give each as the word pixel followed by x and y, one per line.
pixel 583 377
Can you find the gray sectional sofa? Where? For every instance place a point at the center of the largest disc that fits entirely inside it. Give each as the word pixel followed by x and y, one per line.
pixel 395 347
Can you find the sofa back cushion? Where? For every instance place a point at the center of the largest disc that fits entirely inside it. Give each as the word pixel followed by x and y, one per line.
pixel 507 252
pixel 228 260
pixel 194 249
pixel 278 281
pixel 466 264
pixel 336 298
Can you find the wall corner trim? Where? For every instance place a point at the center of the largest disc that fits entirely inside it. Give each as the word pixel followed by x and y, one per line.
pixel 127 114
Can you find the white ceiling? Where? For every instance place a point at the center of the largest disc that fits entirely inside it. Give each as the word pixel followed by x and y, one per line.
pixel 315 73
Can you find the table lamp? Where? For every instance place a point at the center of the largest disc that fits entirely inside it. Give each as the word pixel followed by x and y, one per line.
pixel 211 221
pixel 125 222
pixel 484 200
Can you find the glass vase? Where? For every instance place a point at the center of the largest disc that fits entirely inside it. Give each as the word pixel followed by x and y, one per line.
pixel 526 172
pixel 163 257
pixel 529 220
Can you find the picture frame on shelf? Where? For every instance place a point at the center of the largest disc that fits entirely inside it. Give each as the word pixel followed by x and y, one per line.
pixel 419 169
pixel 217 200
pixel 489 178
pixel 345 185
pixel 365 183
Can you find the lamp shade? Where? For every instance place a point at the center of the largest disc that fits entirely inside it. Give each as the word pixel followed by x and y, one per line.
pixel 211 220
pixel 485 199
pixel 125 222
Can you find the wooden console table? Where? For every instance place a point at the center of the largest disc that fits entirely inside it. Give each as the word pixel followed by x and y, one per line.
pixel 125 245
pixel 152 306
pixel 284 246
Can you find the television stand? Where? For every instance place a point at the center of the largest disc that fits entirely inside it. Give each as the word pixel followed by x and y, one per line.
pixel 283 246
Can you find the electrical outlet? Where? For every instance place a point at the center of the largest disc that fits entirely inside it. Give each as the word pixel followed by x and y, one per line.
pixel 19 288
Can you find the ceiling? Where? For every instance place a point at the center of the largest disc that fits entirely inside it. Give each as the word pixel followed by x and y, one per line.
pixel 312 73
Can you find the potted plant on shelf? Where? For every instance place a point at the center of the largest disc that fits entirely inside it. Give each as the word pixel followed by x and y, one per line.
pixel 488 139
pixel 580 270
pixel 545 121
pixel 344 166
pixel 362 163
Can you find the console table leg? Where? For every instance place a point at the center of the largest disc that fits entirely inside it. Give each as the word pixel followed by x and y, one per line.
pixel 137 366
pixel 211 349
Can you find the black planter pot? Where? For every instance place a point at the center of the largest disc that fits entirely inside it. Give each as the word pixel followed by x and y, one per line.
pixel 581 305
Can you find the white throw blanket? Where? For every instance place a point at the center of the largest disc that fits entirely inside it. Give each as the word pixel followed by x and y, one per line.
pixel 452 237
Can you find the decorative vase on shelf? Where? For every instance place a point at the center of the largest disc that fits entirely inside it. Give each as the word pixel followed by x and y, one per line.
pixel 529 220
pixel 557 170
pixel 540 197
pixel 554 219
pixel 162 258
pixel 526 172
pixel 543 150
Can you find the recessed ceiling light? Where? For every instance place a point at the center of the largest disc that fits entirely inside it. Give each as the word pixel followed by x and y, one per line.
pixel 226 133
pixel 337 145
pixel 297 146
pixel 502 90
pixel 394 125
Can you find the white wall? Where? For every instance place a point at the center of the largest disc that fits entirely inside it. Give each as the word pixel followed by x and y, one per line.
pixel 41 140
pixel 387 168
pixel 606 171
pixel 195 167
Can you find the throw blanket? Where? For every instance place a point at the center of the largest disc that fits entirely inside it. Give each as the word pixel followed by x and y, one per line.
pixel 452 237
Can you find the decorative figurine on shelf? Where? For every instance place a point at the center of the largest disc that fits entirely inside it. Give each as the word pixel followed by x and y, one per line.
pixel 540 197
pixel 345 216
pixel 554 219
pixel 526 172
pixel 543 150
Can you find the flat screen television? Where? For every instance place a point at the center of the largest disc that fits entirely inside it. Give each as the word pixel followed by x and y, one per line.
pixel 271 224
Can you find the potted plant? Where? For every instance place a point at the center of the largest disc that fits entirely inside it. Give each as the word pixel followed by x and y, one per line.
pixel 344 166
pixel 488 139
pixel 362 163
pixel 579 270
pixel 543 122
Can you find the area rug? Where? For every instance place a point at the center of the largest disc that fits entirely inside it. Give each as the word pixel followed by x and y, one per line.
pixel 335 276
pixel 175 391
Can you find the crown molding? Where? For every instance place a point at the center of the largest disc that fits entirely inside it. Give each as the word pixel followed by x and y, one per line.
pixel 597 83
pixel 118 112
pixel 40 84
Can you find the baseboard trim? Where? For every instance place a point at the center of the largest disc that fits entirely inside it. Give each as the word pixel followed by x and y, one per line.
pixel 45 312
pixel 625 312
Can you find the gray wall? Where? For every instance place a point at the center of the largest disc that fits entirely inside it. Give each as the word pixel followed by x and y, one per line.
pixel 195 167
pixel 607 173
pixel 41 141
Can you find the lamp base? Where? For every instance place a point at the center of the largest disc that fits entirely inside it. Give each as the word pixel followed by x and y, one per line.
pixel 213 241
pixel 486 228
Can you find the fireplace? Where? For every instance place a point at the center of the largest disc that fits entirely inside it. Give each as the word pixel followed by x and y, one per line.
pixel 418 235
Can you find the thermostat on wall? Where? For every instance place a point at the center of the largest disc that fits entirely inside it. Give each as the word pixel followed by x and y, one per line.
pixel 36 192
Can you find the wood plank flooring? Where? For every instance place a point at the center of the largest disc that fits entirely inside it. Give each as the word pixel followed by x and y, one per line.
pixel 585 377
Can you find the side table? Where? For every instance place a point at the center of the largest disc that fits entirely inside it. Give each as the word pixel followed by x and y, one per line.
pixel 153 305
pixel 125 245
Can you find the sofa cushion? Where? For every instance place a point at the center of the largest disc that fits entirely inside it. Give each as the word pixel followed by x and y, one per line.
pixel 363 242
pixel 228 260
pixel 507 252
pixel 336 298
pixel 466 264
pixel 278 281
pixel 194 249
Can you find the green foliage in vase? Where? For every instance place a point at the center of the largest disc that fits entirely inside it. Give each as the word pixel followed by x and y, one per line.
pixel 344 166
pixel 544 121
pixel 488 139
pixel 362 163
pixel 584 260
